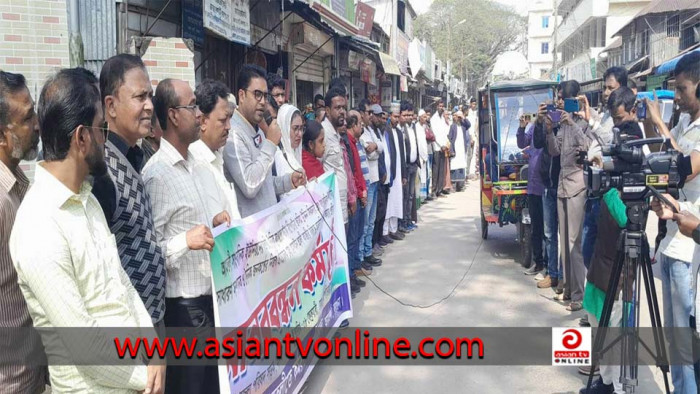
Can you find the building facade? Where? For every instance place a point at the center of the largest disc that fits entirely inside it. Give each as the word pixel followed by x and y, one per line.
pixel 540 45
pixel 586 29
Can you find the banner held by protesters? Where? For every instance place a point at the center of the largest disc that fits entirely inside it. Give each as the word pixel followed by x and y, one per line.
pixel 283 267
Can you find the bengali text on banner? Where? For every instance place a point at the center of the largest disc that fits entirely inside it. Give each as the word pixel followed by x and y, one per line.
pixel 283 267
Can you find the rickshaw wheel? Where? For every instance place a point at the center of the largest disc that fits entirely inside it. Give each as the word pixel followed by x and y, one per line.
pixel 525 245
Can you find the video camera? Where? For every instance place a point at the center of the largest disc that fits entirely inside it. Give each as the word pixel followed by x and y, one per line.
pixel 635 175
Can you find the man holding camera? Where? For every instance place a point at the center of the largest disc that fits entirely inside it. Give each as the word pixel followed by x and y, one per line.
pixel 602 129
pixel 678 284
pixel 571 196
pixel 612 219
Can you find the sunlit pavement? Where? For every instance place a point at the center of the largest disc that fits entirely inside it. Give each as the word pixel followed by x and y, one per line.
pixel 423 269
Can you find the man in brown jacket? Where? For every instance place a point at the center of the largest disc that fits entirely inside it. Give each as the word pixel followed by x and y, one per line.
pixel 571 195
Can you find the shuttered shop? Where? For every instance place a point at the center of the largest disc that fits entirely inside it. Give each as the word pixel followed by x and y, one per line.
pixel 308 68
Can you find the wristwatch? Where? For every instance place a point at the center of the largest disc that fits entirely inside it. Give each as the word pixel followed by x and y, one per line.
pixel 696 235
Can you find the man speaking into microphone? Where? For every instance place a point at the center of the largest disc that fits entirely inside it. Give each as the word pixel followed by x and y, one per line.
pixel 249 154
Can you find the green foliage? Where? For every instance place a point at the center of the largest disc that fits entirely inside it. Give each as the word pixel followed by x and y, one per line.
pixel 490 29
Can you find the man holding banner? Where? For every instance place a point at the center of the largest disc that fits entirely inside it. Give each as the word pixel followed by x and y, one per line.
pixel 182 227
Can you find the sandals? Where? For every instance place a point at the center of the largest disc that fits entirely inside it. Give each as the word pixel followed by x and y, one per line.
pixel 574 306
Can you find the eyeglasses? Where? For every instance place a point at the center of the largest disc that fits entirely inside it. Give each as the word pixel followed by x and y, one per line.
pixel 105 131
pixel 298 129
pixel 259 94
pixel 194 107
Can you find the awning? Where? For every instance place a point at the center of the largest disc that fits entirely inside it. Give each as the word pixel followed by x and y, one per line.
pixel 670 65
pixel 642 74
pixel 638 64
pixel 389 64
pixel 616 43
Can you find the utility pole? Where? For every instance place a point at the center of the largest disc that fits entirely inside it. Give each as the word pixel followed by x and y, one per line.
pixel 554 44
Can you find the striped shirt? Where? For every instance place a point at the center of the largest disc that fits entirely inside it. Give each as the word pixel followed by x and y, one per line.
pixel 14 312
pixel 364 164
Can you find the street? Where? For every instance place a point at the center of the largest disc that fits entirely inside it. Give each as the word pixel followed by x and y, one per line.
pixel 423 269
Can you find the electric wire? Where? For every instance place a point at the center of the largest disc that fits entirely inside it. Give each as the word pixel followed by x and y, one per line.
pixel 343 246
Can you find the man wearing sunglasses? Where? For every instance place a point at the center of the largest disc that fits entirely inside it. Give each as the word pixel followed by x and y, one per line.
pixel 249 154
pixel 128 110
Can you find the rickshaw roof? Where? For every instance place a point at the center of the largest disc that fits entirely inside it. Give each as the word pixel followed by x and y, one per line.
pixel 519 85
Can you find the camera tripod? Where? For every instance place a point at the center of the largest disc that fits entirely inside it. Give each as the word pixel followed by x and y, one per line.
pixel 632 257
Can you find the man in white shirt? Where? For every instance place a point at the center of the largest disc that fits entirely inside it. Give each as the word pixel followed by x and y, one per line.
pixel 677 250
pixel 182 223
pixel 473 118
pixel 212 99
pixel 66 258
pixel 440 148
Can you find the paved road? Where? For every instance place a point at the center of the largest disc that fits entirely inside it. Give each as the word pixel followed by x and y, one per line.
pixel 423 269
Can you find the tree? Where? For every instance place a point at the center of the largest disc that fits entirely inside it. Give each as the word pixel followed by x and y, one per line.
pixel 490 29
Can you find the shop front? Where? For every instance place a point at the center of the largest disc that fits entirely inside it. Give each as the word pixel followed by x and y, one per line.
pixel 311 52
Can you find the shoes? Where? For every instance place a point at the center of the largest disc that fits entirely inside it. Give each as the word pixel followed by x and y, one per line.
pixel 362 272
pixel 548 281
pixel 598 387
pixel 354 287
pixel 575 306
pixel 446 192
pixel 373 261
pixel 387 239
pixel 377 250
pixel 429 198
pixel 540 276
pixel 366 266
pixel 345 323
pixel 562 297
pixel 560 287
pixel 412 227
pixel 583 322
pixel 534 269
pixel 403 230
pixel 360 282
pixel 397 236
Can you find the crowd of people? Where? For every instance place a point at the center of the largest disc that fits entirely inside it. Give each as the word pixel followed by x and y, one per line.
pixel 131 183
pixel 575 233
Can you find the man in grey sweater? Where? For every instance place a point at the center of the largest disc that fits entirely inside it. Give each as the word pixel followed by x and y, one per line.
pixel 249 154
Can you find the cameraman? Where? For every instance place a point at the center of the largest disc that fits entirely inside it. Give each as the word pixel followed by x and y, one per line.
pixel 612 219
pixel 676 250
pixel 571 196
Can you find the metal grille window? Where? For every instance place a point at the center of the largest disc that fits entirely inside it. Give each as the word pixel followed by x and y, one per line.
pixel 673 25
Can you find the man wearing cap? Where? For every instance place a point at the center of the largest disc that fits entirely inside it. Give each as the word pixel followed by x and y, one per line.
pixel 440 130
pixel 374 148
pixel 459 141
